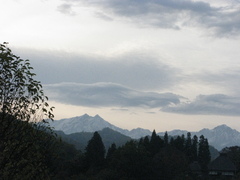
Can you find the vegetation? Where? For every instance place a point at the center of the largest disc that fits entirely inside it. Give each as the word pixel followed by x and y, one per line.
pixel 22 105
pixel 148 158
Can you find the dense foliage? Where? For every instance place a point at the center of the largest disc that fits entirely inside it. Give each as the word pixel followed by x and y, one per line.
pixel 22 106
pixel 21 96
pixel 151 157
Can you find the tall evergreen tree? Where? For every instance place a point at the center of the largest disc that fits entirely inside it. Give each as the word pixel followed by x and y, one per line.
pixel 204 156
pixel 194 148
pixel 95 151
pixel 179 143
pixel 146 141
pixel 188 147
pixel 155 143
pixel 111 150
pixel 171 141
pixel 165 138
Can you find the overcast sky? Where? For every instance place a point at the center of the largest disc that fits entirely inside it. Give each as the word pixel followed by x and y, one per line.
pixel 167 64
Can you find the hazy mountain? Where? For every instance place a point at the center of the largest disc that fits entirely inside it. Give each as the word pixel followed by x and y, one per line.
pixel 219 137
pixel 83 123
pixel 88 123
pixel 80 139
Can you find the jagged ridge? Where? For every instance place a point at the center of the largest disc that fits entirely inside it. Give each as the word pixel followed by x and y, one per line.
pixel 219 137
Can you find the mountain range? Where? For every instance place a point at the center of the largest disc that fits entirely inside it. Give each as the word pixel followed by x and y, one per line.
pixel 80 139
pixel 86 123
pixel 218 137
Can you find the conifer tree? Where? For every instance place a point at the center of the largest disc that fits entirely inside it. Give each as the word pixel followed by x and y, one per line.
pixel 155 143
pixel 204 156
pixel 194 148
pixel 179 143
pixel 165 138
pixel 146 141
pixel 95 151
pixel 111 150
pixel 188 147
pixel 171 141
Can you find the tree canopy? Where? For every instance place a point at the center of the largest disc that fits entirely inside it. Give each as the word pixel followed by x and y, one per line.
pixel 22 106
pixel 21 96
pixel 95 151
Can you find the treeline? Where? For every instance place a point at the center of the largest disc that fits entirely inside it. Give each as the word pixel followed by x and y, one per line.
pixel 32 151
pixel 149 158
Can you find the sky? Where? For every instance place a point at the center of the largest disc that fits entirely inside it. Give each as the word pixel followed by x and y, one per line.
pixel 153 64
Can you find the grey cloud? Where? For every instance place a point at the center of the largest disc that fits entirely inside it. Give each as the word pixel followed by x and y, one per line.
pixel 223 24
pixel 66 8
pixel 227 79
pixel 215 104
pixel 132 70
pixel 108 95
pixel 120 109
pixel 173 14
pixel 103 16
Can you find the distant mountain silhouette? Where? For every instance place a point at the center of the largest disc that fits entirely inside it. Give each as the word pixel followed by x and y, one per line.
pixel 88 123
pixel 219 137
pixel 80 139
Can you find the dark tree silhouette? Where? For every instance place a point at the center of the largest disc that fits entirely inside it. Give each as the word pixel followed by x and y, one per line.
pixel 95 151
pixel 188 147
pixel 22 105
pixel 111 150
pixel 155 143
pixel 195 148
pixel 179 143
pixel 165 138
pixel 204 156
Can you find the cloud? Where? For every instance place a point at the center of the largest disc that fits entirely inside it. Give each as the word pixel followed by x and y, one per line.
pixel 126 78
pixel 226 79
pixel 108 95
pixel 215 104
pixel 120 109
pixel 173 14
pixel 66 8
pixel 103 16
pixel 135 70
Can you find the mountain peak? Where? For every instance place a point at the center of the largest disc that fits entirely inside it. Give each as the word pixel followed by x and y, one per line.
pixel 223 126
pixel 84 123
pixel 85 115
pixel 97 116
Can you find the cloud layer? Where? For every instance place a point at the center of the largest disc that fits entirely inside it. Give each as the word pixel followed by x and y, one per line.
pixel 131 70
pixel 115 95
pixel 131 81
pixel 174 14
pixel 215 104
pixel 108 95
pixel 227 78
